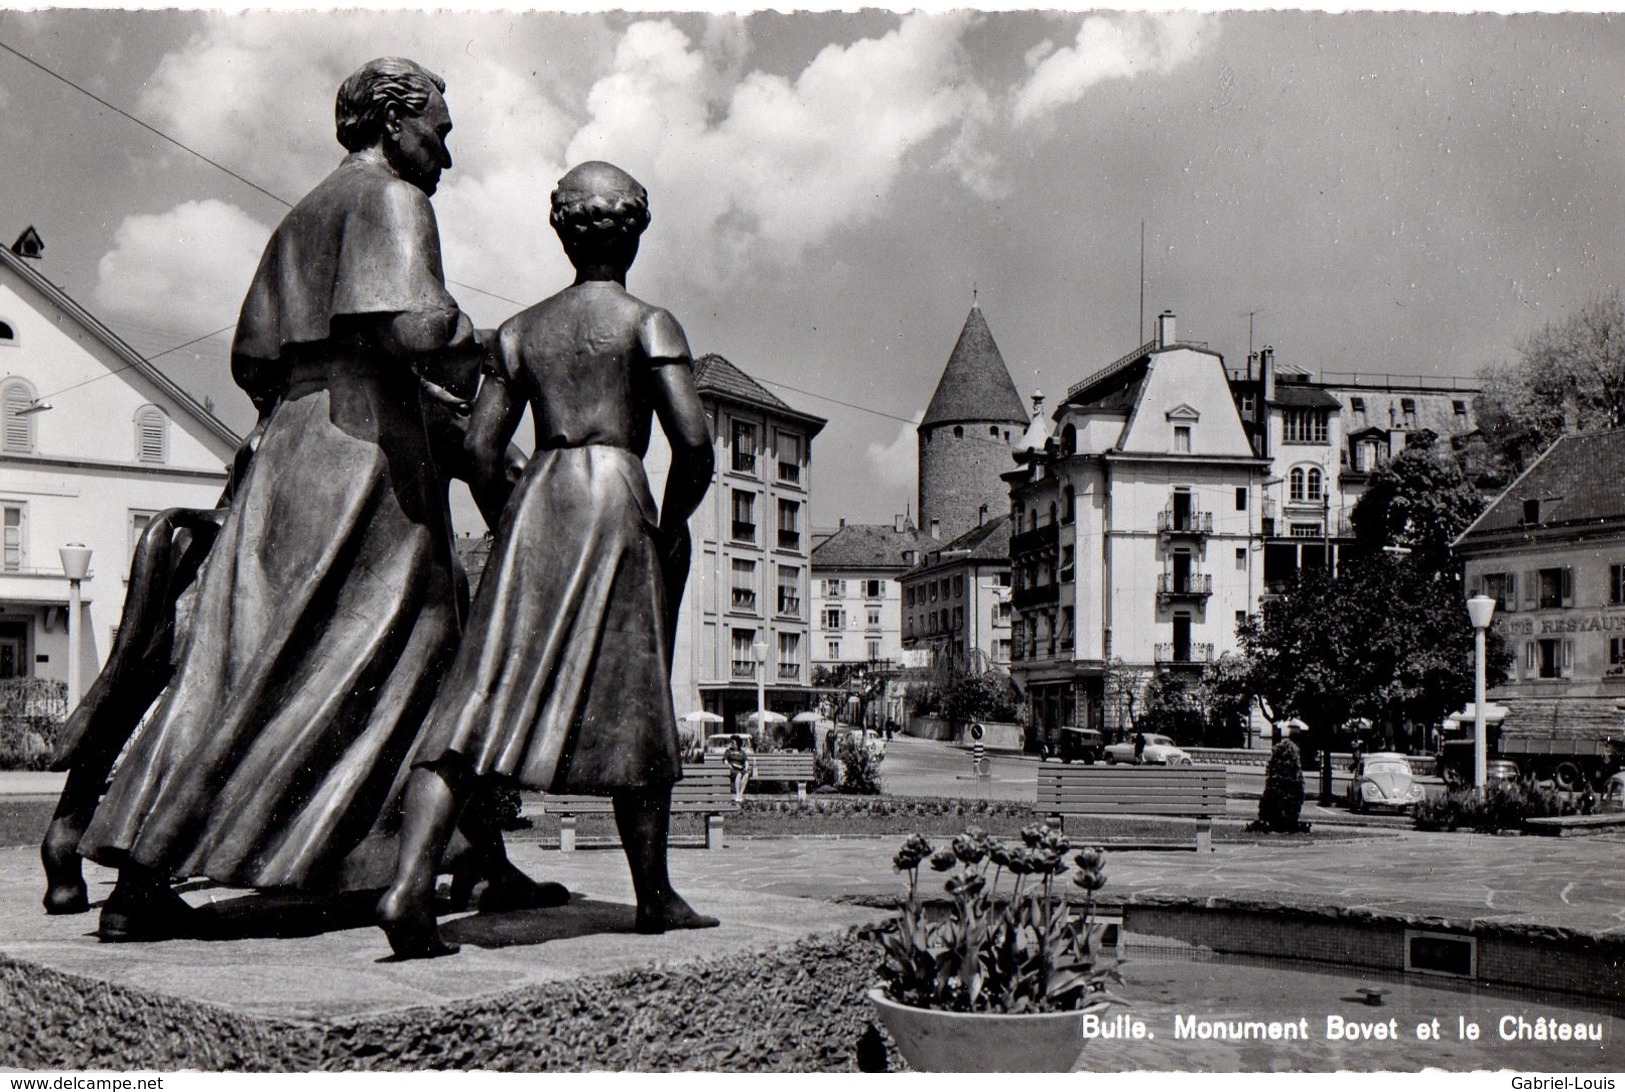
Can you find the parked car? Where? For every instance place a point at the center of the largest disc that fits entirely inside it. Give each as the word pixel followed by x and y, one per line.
pixel 1499 769
pixel 1613 794
pixel 1384 780
pixel 1084 744
pixel 1159 751
pixel 873 741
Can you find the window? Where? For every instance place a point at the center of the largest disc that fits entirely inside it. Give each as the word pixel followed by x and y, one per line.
pixel 790 591
pixel 16 399
pixel 1247 403
pixel 834 650
pixel 789 655
pixel 1241 618
pixel 1304 484
pixel 1182 439
pixel 1554 588
pixel 932 588
pixel 1549 658
pixel 1067 568
pixel 959 619
pixel 874 589
pixel 788 455
pixel 872 648
pixel 1304 426
pixel 1503 588
pixel 744 516
pixel 872 618
pixel 959 432
pixel 1616 653
pixel 834 618
pixel 1312 488
pixel 139 522
pixel 14 521
pixel 1241 557
pixel 742 663
pixel 959 587
pixel 8 333
pixel 744 585
pixel 1295 484
pixel 789 525
pixel 1459 407
pixel 1407 407
pixel 834 589
pixel 151 435
pixel 1241 498
pixel 1616 584
pixel 744 447
pixel 1356 405
pixel 1069 503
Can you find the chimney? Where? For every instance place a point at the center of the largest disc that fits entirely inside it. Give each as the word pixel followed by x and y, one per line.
pixel 1038 403
pixel 897 522
pixel 936 527
pixel 1166 334
pixel 1266 372
pixel 981 514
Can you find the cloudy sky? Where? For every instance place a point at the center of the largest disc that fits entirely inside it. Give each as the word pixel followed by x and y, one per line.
pixel 1409 194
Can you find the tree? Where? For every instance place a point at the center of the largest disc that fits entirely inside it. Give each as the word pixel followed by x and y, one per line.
pixel 1568 377
pixel 1420 500
pixel 987 695
pixel 1123 689
pixel 1281 802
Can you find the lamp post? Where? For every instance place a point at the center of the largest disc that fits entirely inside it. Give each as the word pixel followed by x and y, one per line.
pixel 75 566
pixel 758 650
pixel 1480 608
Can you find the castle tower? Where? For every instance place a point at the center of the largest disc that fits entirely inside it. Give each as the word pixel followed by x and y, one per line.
pixel 965 438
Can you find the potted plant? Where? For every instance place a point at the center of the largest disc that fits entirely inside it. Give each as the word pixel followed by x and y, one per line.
pixel 1002 981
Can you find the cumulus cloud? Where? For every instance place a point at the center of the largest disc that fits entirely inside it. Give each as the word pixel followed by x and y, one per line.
pixel 1108 47
pixel 892 464
pixel 190 265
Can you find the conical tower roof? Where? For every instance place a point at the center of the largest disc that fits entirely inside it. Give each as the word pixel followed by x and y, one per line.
pixel 975 386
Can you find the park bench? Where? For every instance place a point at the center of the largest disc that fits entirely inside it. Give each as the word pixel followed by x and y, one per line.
pixel 1176 792
pixel 704 790
pixel 796 766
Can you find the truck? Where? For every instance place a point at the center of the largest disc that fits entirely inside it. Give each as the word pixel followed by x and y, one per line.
pixel 1573 757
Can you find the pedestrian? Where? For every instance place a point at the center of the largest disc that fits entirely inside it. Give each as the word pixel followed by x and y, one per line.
pixel 738 769
pixel 1139 748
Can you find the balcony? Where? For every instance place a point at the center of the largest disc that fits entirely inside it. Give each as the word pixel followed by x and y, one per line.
pixel 1167 653
pixel 789 672
pixel 1039 595
pixel 744 463
pixel 1036 539
pixel 789 540
pixel 790 473
pixel 790 605
pixel 744 599
pixel 744 532
pixel 1171 524
pixel 1193 586
pixel 743 669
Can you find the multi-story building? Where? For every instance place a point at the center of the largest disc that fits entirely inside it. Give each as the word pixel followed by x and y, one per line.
pixel 1324 438
pixel 965 436
pixel 95 441
pixel 1551 551
pixel 1133 525
pixel 956 602
pixel 857 583
pixel 750 577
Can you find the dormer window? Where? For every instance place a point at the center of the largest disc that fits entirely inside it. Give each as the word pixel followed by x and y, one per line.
pixel 1531 510
pixel 151 435
pixel 1356 405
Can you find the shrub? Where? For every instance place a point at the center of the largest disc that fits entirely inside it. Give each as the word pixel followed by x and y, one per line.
pixel 1504 806
pixel 826 772
pixel 32 712
pixel 1282 799
pixel 860 768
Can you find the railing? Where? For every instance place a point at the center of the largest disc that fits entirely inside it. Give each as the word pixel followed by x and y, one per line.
pixel 1402 382
pixel 790 604
pixel 790 671
pixel 789 540
pixel 1036 539
pixel 744 599
pixel 1108 370
pixel 1166 653
pixel 1184 523
pixel 1196 585
pixel 743 669
pixel 790 472
pixel 744 532
pixel 1040 595
pixel 744 464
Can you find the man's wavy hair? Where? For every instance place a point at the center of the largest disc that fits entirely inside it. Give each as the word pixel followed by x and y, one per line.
pixel 363 97
pixel 598 205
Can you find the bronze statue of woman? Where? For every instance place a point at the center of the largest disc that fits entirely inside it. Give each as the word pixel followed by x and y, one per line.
pixel 563 679
pixel 326 612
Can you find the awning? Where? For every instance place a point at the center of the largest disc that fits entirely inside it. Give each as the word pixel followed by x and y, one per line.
pixel 1493 714
pixel 1576 715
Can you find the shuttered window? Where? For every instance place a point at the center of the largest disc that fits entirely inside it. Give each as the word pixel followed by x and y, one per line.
pixel 151 435
pixel 14 521
pixel 18 437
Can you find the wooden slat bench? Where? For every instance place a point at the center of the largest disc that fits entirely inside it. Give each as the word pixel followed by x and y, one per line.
pixel 797 766
pixel 1184 792
pixel 704 790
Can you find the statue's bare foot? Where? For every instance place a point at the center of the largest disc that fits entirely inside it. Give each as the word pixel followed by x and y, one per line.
pixel 145 908
pixel 411 928
pixel 65 891
pixel 510 889
pixel 671 914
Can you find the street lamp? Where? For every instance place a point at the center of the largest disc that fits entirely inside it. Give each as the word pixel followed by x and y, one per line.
pixel 75 566
pixel 1480 608
pixel 758 650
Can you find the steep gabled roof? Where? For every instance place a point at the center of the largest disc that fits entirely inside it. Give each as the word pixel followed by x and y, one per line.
pixel 976 385
pixel 989 542
pixel 1579 479
pixel 870 546
pixel 132 359
pixel 1304 397
pixel 717 377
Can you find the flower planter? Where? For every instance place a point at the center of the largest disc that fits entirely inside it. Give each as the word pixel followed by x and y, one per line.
pixel 935 1041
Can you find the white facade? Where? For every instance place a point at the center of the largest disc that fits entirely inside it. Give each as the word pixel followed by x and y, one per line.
pixel 119 443
pixel 859 616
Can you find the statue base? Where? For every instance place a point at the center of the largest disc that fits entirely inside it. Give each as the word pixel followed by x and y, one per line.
pixel 296 984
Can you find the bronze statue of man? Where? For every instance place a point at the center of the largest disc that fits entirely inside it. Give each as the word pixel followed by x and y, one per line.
pixel 563 679
pixel 327 610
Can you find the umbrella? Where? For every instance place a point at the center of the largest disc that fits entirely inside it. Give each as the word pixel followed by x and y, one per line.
pixel 698 717
pixel 769 717
pixel 806 718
